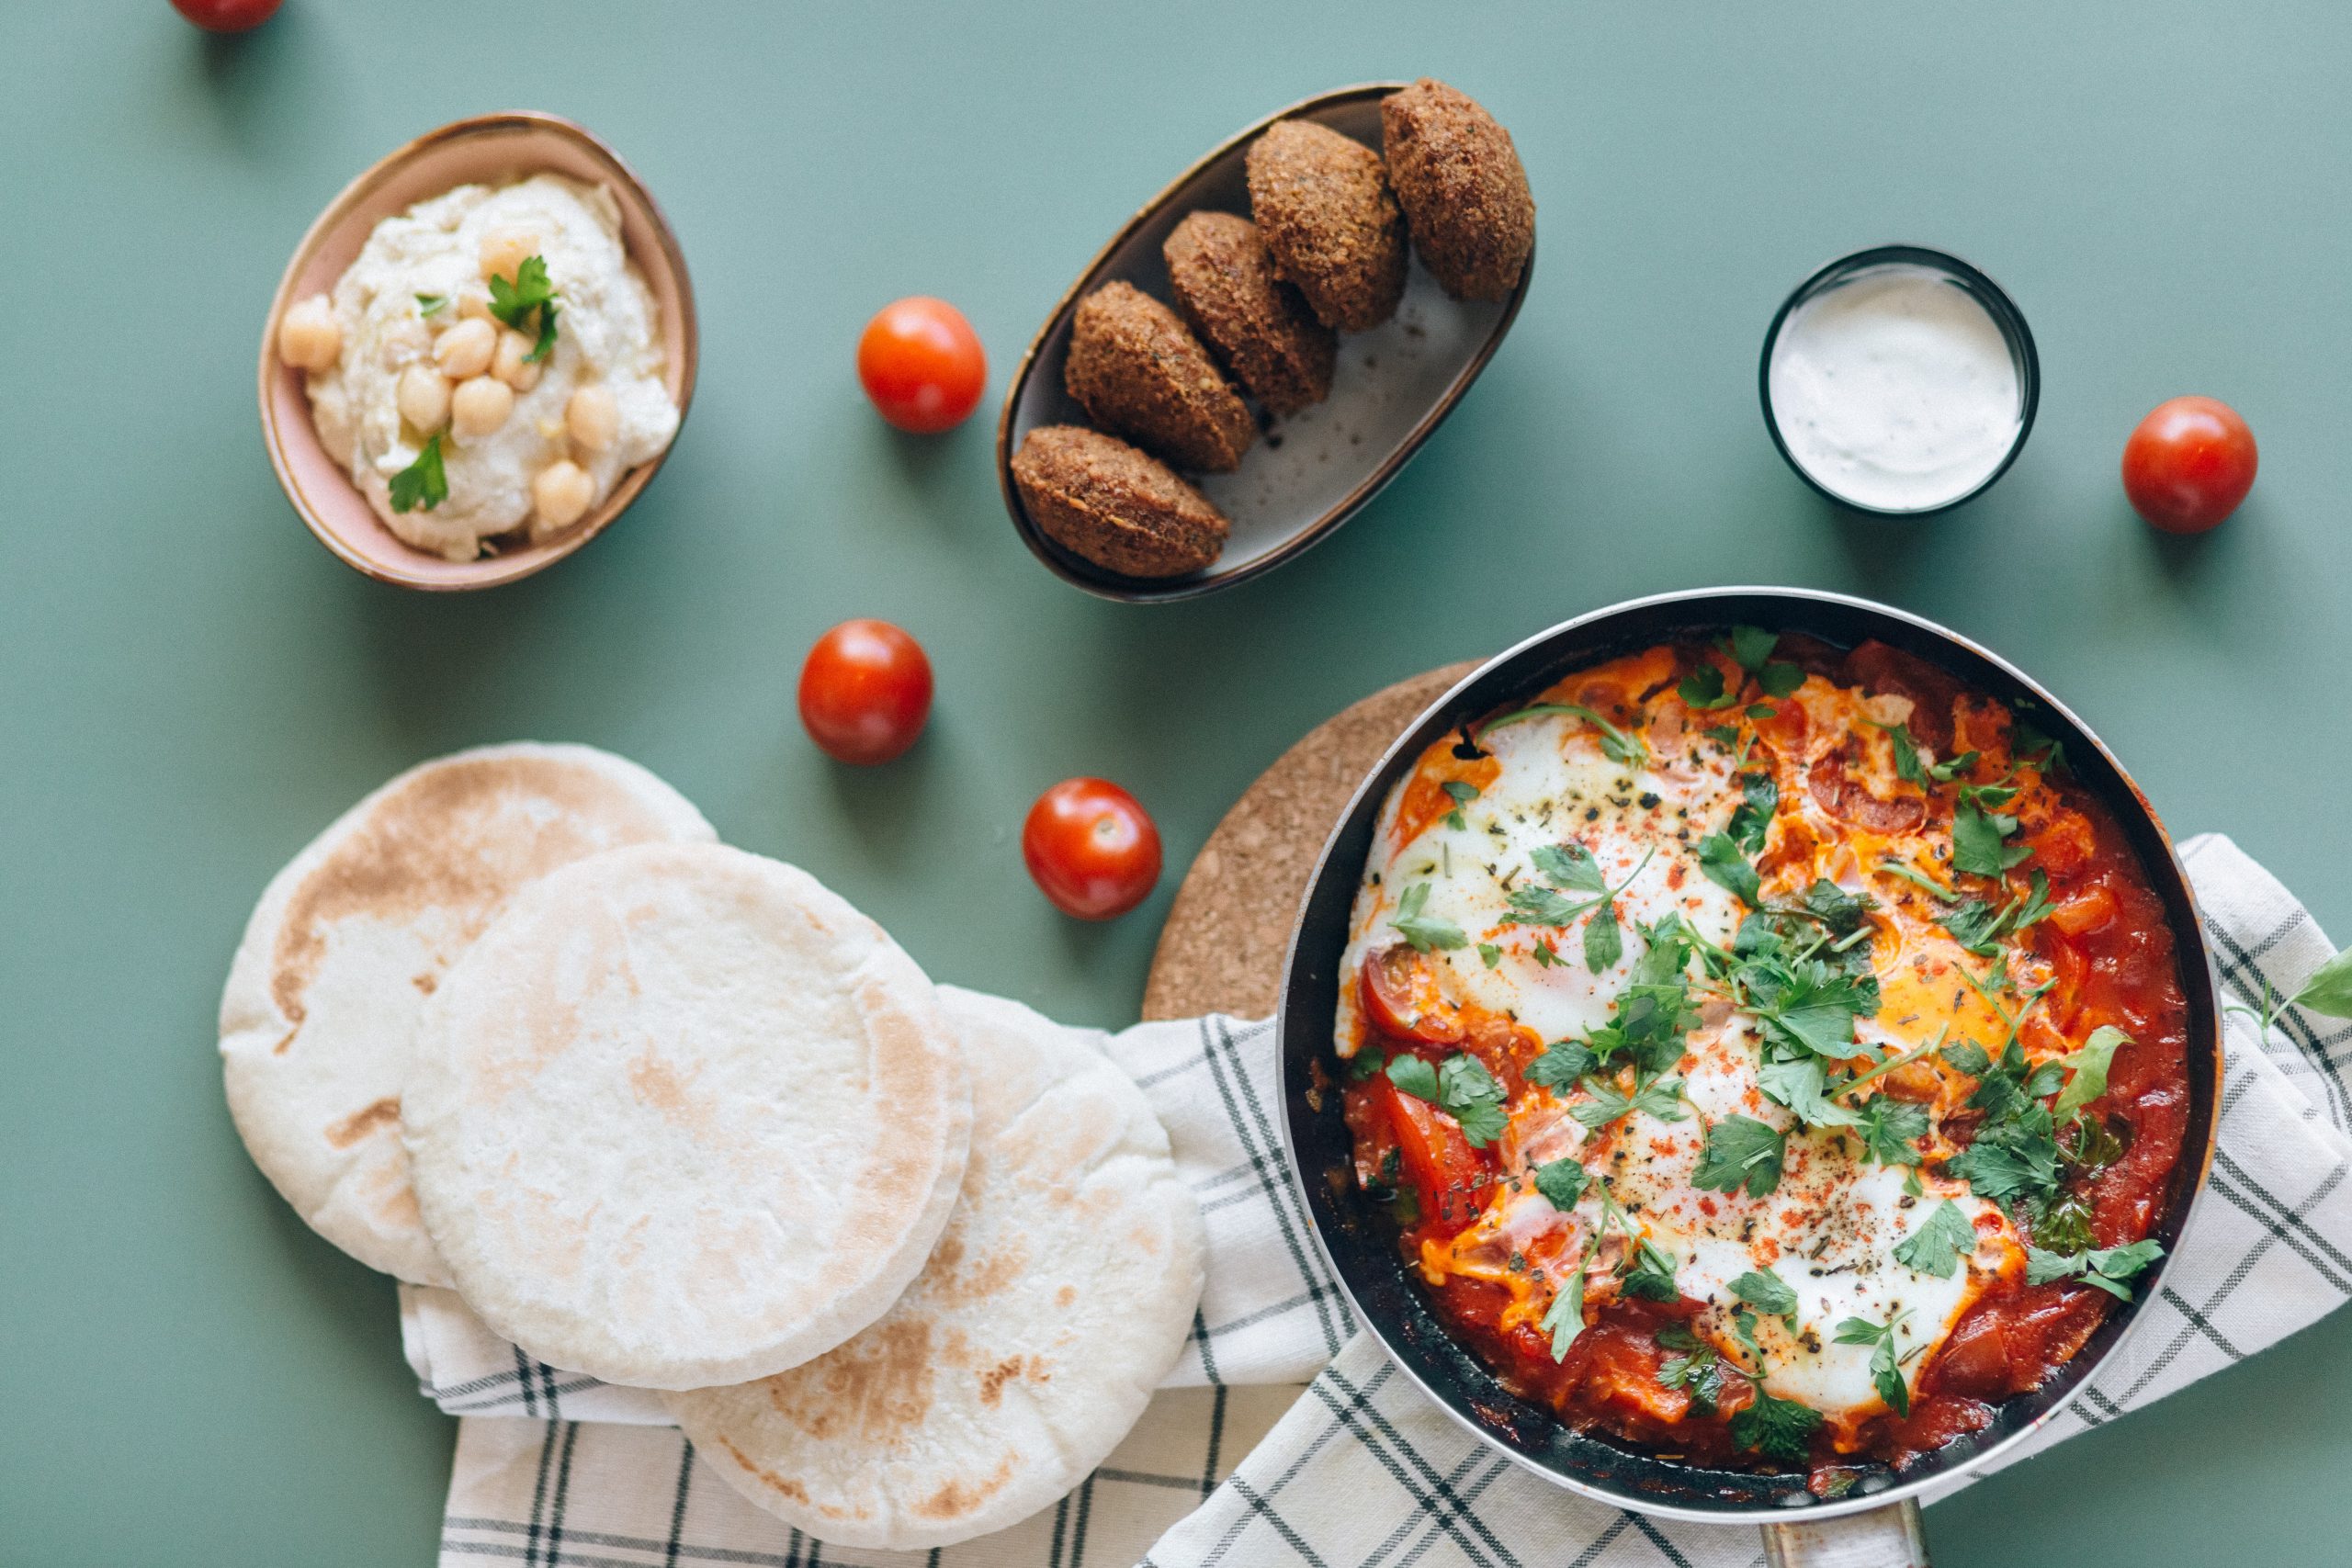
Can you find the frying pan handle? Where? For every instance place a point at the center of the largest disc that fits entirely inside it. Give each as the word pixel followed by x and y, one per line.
pixel 1883 1537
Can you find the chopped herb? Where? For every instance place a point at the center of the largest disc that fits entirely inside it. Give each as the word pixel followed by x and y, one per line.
pixel 1759 798
pixel 1886 1371
pixel 1562 1063
pixel 1720 860
pixel 1940 1242
pixel 1421 931
pixel 1561 1181
pixel 1892 1128
pixel 2035 750
pixel 1490 955
pixel 1698 1372
pixel 1651 1274
pixel 1365 1063
pixel 512 302
pixel 1569 865
pixel 1470 1094
pixel 1801 1084
pixel 424 484
pixel 1727 734
pixel 1741 1152
pixel 2013 1158
pixel 1564 1319
pixel 1703 689
pixel 2107 1269
pixel 1979 831
pixel 426 304
pixel 1919 878
pixel 1767 1293
pixel 1778 1429
pixel 1462 795
pixel 2090 1065
pixel 1658 1098
pixel 1413 1075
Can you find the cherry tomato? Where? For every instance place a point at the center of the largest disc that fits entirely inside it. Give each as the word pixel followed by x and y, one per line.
pixel 1092 849
pixel 2189 465
pixel 227 15
pixel 921 364
pixel 865 692
pixel 1449 1175
pixel 1401 995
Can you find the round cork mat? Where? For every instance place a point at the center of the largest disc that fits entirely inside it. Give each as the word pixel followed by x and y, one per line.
pixel 1229 927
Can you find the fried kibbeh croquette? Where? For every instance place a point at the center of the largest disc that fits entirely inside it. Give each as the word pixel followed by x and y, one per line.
pixel 1139 372
pixel 1323 207
pixel 1261 327
pixel 1121 508
pixel 1463 188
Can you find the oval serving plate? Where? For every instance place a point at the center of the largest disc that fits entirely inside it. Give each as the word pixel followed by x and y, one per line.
pixel 1312 471
pixel 485 149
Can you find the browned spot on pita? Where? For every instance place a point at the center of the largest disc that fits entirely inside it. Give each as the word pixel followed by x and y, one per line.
pixel 781 1484
pixel 427 982
pixel 948 1253
pixel 956 1499
pixel 658 1086
pixel 280 1049
pixel 1066 1296
pixel 876 1389
pixel 992 1382
pixel 401 1209
pixel 458 840
pixel 986 1277
pixel 385 1112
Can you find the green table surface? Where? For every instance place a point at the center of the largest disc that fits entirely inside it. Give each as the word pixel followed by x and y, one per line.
pixel 191 687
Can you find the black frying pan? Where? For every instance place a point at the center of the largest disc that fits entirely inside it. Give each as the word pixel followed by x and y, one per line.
pixel 1878 1522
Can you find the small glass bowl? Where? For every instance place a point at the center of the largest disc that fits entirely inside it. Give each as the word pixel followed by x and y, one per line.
pixel 1980 288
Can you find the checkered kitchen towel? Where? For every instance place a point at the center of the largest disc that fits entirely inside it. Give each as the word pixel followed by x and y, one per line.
pixel 1362 1469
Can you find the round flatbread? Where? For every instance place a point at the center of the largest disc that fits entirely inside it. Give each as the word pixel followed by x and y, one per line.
pixel 680 1116
pixel 1057 1299
pixel 320 1013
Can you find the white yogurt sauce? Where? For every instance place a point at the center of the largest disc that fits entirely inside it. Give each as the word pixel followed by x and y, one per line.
pixel 1895 388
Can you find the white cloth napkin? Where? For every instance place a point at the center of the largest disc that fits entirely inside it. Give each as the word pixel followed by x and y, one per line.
pixel 1229 1466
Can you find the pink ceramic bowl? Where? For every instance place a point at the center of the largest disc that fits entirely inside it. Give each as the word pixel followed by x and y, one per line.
pixel 488 149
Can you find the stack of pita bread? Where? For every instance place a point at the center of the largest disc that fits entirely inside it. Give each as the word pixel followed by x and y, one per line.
pixel 909 1259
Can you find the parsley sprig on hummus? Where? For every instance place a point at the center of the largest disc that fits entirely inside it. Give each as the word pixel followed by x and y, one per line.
pixel 530 289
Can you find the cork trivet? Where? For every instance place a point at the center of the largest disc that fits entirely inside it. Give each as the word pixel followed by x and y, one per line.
pixel 1229 927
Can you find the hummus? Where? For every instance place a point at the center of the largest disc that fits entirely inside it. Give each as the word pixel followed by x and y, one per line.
pixel 426 272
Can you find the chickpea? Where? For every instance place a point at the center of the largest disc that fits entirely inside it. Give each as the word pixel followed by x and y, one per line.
pixel 481 405
pixel 512 364
pixel 466 349
pixel 473 305
pixel 593 417
pixel 561 494
pixel 308 335
pixel 504 251
pixel 424 398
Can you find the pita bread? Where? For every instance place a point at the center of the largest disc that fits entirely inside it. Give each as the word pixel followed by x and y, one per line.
pixel 682 1116
pixel 321 1008
pixel 1057 1299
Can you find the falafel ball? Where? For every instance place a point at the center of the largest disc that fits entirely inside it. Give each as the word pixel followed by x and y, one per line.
pixel 1260 326
pixel 1463 188
pixel 1138 370
pixel 1324 209
pixel 1122 509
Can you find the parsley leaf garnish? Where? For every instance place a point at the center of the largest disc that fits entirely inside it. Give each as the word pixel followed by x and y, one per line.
pixel 2089 1064
pixel 512 302
pixel 1720 860
pixel 1490 955
pixel 1470 1094
pixel 1365 1063
pixel 1979 831
pixel 1801 1084
pixel 1767 1293
pixel 1698 1372
pixel 1892 1128
pixel 427 304
pixel 1778 1429
pixel 1424 933
pixel 2010 1159
pixel 1939 1243
pixel 1660 1098
pixel 1886 1372
pixel 1651 1276
pixel 424 484
pixel 1562 1182
pixel 1462 795
pixel 1753 816
pixel 1562 1063
pixel 1413 1075
pixel 1741 1152
pixel 1703 689
pixel 1569 865
pixel 1751 649
pixel 2107 1269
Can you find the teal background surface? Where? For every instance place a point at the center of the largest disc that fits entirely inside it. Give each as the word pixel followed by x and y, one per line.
pixel 190 687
